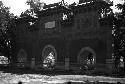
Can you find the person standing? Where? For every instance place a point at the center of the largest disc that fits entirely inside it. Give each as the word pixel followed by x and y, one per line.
pixel 121 66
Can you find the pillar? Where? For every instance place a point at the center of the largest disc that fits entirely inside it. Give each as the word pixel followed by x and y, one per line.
pixel 109 59
pixel 67 59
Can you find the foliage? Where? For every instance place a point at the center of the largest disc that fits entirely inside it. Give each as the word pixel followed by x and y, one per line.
pixel 119 35
pixel 35 6
pixel 30 16
pixel 6 35
pixel 5 16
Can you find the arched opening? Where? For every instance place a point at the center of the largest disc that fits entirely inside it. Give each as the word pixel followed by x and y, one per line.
pixel 22 57
pixel 49 57
pixel 87 58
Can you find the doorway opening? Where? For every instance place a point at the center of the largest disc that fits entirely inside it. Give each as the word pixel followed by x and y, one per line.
pixel 49 56
pixel 87 58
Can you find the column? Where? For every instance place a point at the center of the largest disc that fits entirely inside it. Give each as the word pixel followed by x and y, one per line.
pixel 67 55
pixel 109 60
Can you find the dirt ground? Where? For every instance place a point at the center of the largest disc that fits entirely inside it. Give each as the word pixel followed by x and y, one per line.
pixel 28 76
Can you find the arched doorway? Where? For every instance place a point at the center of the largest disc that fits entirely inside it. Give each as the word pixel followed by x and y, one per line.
pixel 21 58
pixel 87 58
pixel 49 57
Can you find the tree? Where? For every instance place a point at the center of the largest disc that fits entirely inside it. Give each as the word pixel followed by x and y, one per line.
pixel 119 35
pixel 35 6
pixel 5 16
pixel 30 16
pixel 6 33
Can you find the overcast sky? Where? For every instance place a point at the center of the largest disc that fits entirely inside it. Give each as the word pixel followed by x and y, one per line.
pixel 18 6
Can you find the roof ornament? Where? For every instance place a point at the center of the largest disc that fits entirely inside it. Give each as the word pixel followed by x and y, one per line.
pixel 63 3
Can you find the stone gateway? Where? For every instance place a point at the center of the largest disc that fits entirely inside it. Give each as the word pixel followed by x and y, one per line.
pixel 71 43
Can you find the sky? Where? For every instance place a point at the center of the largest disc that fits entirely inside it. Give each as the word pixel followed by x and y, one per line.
pixel 19 6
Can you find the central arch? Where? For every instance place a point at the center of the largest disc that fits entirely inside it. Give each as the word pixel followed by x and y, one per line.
pixel 86 57
pixel 49 57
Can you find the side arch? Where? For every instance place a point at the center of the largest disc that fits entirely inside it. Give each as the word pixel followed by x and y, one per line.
pixel 22 57
pixel 83 55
